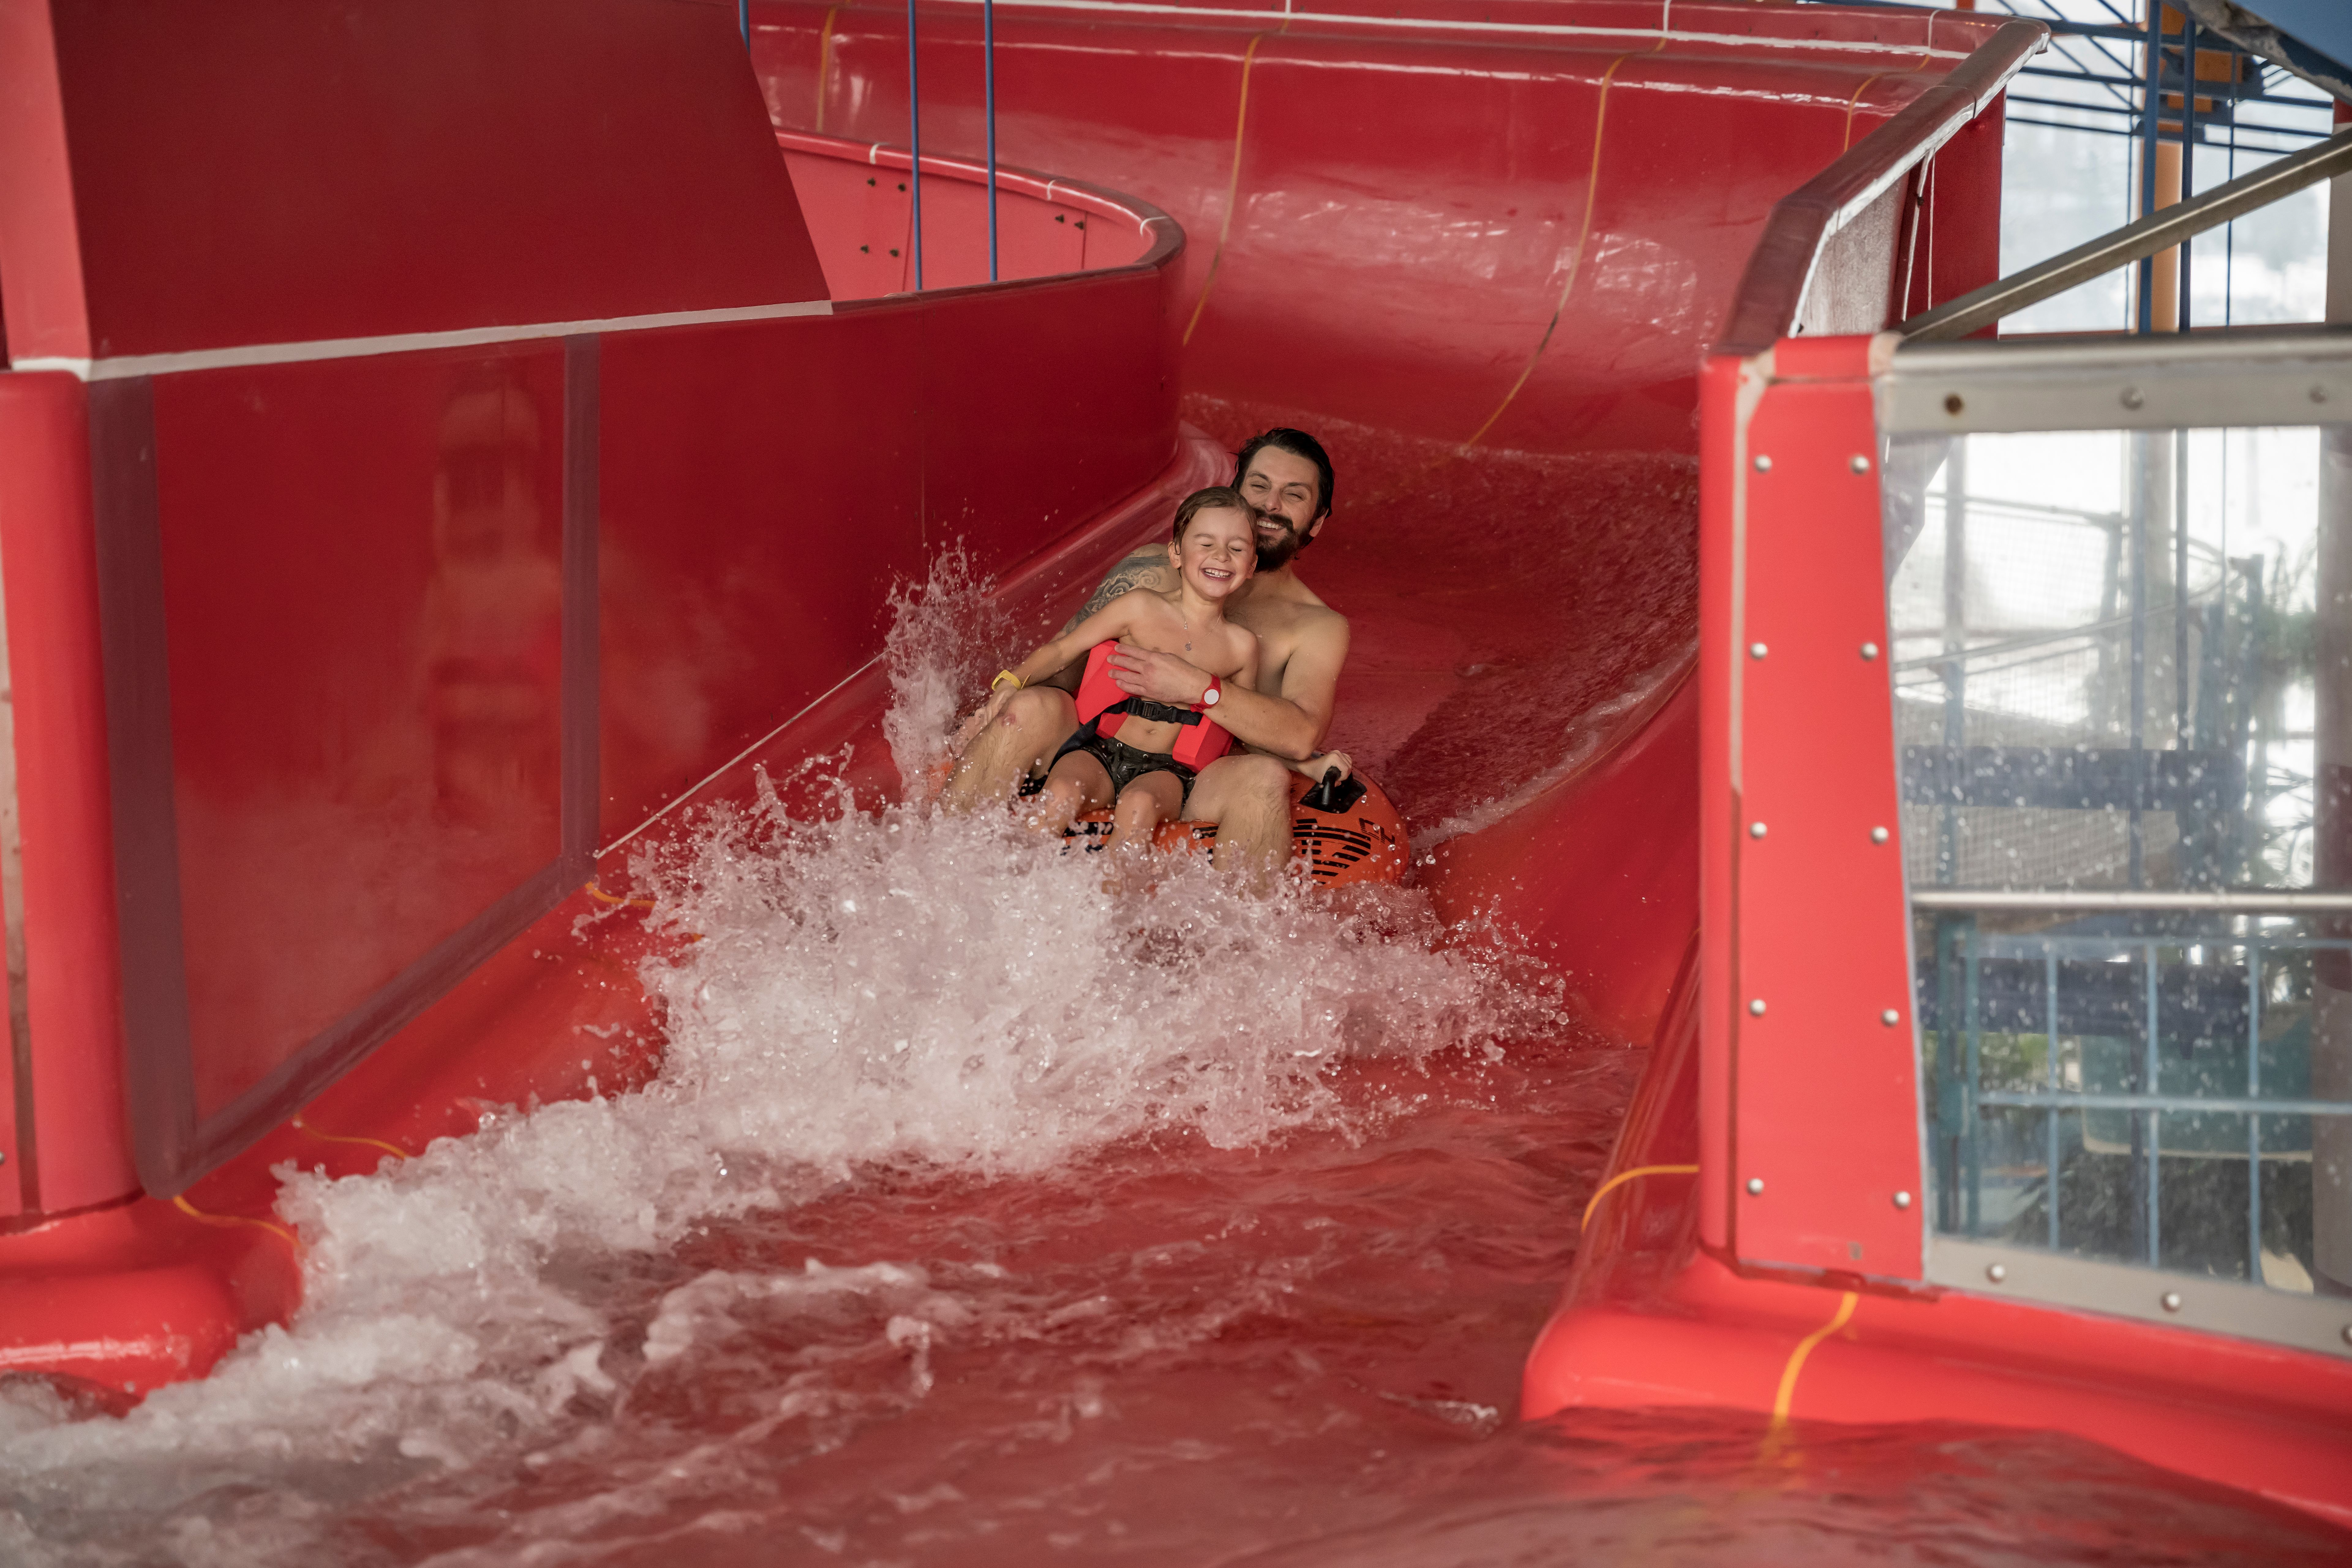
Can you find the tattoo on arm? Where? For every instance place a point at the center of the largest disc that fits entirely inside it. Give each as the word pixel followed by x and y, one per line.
pixel 1137 571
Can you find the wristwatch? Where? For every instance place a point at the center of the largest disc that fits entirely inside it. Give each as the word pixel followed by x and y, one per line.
pixel 1209 698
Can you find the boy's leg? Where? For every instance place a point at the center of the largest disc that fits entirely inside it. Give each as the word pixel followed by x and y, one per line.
pixel 1142 806
pixel 1078 783
pixel 1032 726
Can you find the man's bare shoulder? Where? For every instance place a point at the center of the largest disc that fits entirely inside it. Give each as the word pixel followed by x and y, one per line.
pixel 1292 613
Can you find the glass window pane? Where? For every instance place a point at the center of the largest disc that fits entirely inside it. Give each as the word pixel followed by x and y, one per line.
pixel 2123 662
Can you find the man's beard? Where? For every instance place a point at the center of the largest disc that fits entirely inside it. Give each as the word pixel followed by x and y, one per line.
pixel 1276 556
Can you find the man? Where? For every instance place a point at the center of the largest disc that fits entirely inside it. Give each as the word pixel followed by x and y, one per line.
pixel 1285 477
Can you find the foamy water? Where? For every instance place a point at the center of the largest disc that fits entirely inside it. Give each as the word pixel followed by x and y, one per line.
pixel 874 996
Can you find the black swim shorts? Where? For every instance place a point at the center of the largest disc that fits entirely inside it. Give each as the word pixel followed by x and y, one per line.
pixel 1123 762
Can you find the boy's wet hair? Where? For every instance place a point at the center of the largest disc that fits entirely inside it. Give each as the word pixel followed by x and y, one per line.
pixel 1298 444
pixel 1207 499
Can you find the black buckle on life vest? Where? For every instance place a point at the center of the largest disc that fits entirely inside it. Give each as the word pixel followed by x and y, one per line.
pixel 1141 708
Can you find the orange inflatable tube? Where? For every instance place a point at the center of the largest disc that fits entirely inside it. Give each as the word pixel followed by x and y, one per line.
pixel 1351 834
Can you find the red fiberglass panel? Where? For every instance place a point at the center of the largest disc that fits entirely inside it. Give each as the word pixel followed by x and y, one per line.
pixel 363 600
pixel 58 717
pixel 764 485
pixel 279 171
pixel 1822 1034
pixel 860 213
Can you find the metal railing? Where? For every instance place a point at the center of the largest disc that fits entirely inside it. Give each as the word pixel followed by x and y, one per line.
pixel 2159 231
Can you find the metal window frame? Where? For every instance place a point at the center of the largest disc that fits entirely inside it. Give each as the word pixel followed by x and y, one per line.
pixel 2225 380
pixel 2291 377
pixel 2320 1323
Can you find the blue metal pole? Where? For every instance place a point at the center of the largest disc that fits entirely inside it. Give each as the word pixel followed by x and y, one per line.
pixel 915 135
pixel 743 20
pixel 2188 158
pixel 988 74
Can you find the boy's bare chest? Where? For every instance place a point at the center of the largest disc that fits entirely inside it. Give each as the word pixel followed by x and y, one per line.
pixel 1211 645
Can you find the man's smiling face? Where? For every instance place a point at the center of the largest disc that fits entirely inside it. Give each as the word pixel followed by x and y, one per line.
pixel 1284 498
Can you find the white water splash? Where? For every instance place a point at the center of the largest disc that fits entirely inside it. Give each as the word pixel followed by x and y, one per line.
pixel 947 637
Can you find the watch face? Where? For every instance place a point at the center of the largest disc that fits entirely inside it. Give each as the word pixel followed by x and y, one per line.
pixel 1209 698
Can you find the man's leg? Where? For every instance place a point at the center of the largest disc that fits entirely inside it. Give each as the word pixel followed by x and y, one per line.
pixel 1022 738
pixel 1248 797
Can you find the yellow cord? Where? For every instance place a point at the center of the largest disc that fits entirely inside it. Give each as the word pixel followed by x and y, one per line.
pixel 1621 1177
pixel 1233 188
pixel 303 1126
pixel 279 1231
pixel 1576 257
pixel 825 64
pixel 1786 1395
pixel 601 897
pixel 1850 105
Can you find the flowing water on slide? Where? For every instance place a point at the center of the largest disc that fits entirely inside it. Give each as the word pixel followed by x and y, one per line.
pixel 979 1217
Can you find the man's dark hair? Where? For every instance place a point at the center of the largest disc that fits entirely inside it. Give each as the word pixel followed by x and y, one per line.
pixel 1298 443
pixel 1207 499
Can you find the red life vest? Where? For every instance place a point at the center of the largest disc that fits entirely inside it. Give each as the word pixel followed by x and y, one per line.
pixel 1103 707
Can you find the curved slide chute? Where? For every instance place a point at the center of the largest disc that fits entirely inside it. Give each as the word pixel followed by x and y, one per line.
pixel 524 454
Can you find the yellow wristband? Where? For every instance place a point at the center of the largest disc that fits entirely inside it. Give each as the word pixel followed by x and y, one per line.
pixel 1005 678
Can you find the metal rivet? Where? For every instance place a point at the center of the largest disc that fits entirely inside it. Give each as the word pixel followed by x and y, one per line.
pixel 1879 836
pixel 1952 404
pixel 1858 463
pixel 2319 395
pixel 1903 1200
pixel 1755 831
pixel 2132 398
pixel 1763 463
pixel 2171 1301
pixel 2348 1333
pixel 1756 1006
pixel 1890 1017
pixel 1870 651
pixel 1997 1272
pixel 1755 1186
pixel 1756 650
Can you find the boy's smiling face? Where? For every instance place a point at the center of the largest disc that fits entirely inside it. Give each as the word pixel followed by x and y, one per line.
pixel 1217 551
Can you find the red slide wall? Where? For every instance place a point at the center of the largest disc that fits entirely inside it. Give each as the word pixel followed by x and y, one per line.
pixel 414 521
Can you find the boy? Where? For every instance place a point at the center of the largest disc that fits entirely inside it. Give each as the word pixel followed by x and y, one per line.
pixel 1141 757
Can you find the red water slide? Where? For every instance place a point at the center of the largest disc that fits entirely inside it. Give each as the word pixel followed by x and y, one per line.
pixel 478 474
pixel 444 441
